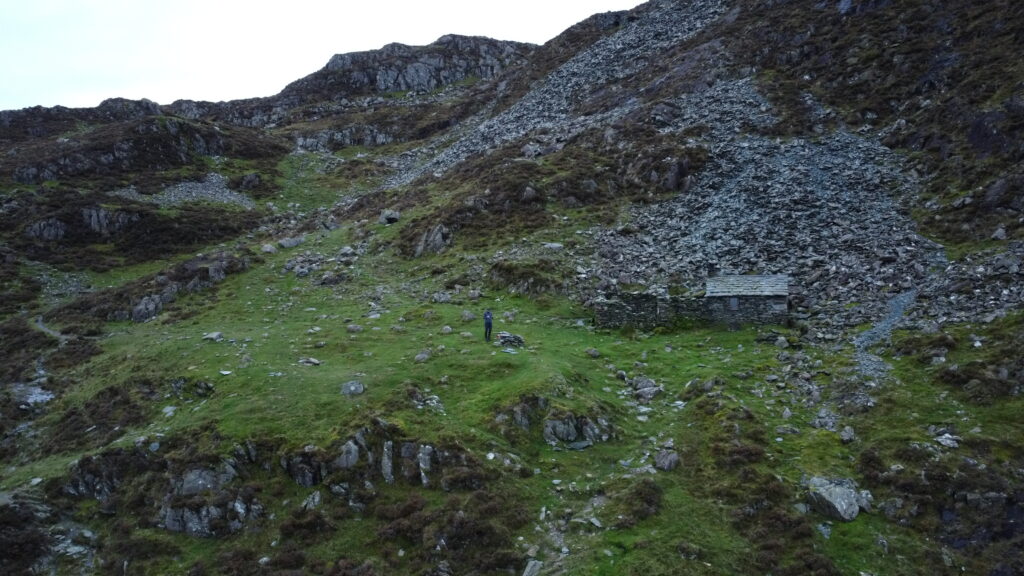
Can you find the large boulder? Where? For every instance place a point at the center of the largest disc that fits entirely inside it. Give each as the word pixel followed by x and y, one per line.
pixel 433 241
pixel 389 216
pixel 837 498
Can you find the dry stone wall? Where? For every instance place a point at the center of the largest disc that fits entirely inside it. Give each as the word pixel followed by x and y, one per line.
pixel 646 310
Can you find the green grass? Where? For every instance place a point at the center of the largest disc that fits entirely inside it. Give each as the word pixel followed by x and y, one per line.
pixel 266 317
pixel 270 320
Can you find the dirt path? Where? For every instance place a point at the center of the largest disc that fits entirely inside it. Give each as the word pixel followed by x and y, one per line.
pixel 51 332
pixel 869 364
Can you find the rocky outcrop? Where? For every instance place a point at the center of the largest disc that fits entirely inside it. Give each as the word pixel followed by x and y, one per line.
pixel 330 140
pixel 380 453
pixel 195 275
pixel 146 298
pixel 399 68
pixel 356 82
pixel 99 476
pixel 39 122
pixel 117 144
pixel 226 514
pixel 103 222
pixel 49 230
pixel 524 413
pixel 558 428
pixel 575 432
pixel 433 241
pixel 199 502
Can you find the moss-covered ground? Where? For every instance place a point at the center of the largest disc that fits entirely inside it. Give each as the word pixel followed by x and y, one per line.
pixel 610 512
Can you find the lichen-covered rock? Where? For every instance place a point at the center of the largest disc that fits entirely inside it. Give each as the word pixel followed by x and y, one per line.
pixel 389 216
pixel 666 460
pixel 50 229
pixel 433 241
pixel 837 498
pixel 571 428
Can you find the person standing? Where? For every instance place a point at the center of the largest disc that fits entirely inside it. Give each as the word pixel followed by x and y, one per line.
pixel 488 322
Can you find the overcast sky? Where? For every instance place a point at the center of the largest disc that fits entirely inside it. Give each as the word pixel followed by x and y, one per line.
pixel 77 53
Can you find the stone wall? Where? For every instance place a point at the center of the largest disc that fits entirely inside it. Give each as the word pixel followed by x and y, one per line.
pixel 747 309
pixel 647 311
pixel 632 309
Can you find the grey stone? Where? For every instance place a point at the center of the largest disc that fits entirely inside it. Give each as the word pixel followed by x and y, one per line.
pixel 643 382
pixel 837 498
pixel 564 430
pixel 433 241
pixel 268 249
pixel 386 462
pixel 147 308
pixel 666 460
pixel 826 420
pixel 352 388
pixel 389 216
pixel 313 501
pixel 533 568
pixel 49 230
pixel 105 223
pixel 348 456
pixel 198 480
pixel 291 242
pixel 948 440
pixel 422 357
pixel 424 458
pixel 645 395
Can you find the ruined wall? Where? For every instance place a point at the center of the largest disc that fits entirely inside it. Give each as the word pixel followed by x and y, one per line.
pixel 647 311
pixel 633 309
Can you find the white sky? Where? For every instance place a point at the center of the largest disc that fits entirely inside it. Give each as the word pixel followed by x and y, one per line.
pixel 77 53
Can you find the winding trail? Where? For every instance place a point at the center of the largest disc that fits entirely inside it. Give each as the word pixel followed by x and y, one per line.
pixel 51 332
pixel 869 364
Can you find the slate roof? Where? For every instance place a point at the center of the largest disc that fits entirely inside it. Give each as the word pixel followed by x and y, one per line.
pixel 773 285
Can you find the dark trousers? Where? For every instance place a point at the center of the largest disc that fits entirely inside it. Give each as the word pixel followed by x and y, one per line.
pixel 487 331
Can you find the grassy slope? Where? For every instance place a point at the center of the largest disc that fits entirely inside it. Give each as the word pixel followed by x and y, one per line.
pixel 267 316
pixel 695 523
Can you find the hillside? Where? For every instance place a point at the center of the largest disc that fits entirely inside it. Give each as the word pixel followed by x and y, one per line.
pixel 246 337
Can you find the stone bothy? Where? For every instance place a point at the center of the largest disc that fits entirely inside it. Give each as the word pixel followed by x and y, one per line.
pixel 750 299
pixel 733 300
